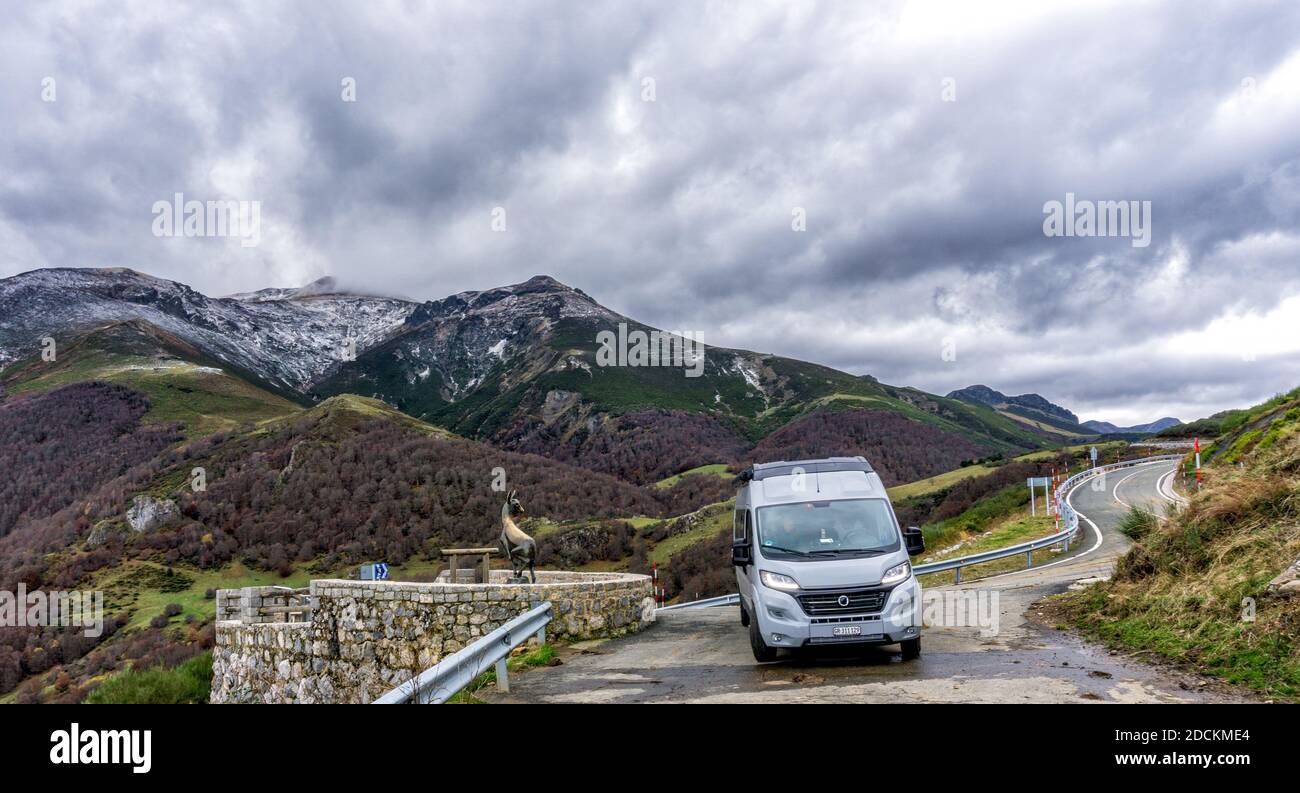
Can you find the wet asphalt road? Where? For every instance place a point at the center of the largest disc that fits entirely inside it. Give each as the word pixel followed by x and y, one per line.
pixel 703 655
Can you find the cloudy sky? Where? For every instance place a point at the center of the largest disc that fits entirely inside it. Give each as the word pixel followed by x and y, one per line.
pixel 660 156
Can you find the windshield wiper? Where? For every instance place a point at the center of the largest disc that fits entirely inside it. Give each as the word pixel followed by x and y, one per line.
pixel 785 550
pixel 863 551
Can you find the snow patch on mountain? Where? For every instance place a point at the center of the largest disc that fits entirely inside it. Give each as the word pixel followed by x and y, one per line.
pixel 290 341
pixel 747 370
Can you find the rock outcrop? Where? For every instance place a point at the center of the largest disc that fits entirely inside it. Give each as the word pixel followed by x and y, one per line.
pixel 147 513
pixel 1287 584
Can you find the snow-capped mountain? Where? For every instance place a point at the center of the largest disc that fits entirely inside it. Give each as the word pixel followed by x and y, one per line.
pixel 453 344
pixel 518 365
pixel 288 338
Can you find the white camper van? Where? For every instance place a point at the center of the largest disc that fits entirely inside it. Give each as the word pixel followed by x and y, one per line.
pixel 820 558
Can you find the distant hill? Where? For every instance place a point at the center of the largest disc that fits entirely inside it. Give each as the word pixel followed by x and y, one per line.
pixel 1030 409
pixel 1106 428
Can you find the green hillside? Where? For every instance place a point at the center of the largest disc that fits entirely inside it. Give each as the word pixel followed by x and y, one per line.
pixel 182 383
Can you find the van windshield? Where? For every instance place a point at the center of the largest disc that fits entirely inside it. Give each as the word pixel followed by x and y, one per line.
pixel 856 527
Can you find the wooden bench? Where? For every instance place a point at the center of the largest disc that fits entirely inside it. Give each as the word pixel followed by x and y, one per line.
pixel 479 565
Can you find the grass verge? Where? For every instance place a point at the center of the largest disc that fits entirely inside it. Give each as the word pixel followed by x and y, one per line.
pixel 538 656
pixel 186 684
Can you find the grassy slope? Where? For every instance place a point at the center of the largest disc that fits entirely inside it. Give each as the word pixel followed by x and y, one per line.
pixel 714 469
pixel 663 551
pixel 182 384
pixel 1230 421
pixel 1042 423
pixel 1179 592
pixel 186 684
pixel 145 588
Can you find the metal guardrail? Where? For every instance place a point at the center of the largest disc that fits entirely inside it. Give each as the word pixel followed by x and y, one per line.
pixel 1063 537
pixel 440 682
pixel 703 603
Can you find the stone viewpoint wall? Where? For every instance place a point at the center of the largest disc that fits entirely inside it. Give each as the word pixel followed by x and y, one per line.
pixel 367 637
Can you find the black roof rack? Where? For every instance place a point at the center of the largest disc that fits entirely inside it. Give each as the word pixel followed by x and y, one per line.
pixel 826 465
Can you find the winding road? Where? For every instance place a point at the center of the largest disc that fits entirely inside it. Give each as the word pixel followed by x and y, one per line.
pixel 702 655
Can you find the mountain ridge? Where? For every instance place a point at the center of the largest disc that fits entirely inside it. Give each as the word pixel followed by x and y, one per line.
pixel 516 366
pixel 1030 409
pixel 1107 428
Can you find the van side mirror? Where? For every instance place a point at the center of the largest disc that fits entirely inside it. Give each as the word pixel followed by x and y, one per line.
pixel 740 554
pixel 914 540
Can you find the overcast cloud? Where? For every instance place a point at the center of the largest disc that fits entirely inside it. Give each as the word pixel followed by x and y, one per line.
pixel 924 216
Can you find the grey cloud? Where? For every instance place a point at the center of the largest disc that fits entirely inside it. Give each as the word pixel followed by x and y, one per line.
pixel 921 213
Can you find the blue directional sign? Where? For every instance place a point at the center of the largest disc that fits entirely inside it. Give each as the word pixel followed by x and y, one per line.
pixel 374 572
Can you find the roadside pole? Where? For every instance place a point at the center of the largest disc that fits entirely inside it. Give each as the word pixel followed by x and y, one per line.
pixel 1033 482
pixel 1198 464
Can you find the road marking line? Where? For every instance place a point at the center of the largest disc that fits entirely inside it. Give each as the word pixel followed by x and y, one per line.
pixel 1166 489
pixel 1114 493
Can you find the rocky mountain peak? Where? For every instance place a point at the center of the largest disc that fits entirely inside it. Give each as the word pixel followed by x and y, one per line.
pixel 983 395
pixel 539 296
pixel 321 286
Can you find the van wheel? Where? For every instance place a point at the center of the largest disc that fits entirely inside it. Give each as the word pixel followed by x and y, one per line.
pixel 911 649
pixel 744 615
pixel 762 653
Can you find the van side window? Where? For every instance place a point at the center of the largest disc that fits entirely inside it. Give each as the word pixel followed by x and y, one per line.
pixel 749 525
pixel 738 533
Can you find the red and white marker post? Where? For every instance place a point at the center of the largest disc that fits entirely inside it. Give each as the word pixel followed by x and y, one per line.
pixel 1198 463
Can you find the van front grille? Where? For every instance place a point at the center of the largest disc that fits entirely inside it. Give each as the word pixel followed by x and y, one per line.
pixel 831 602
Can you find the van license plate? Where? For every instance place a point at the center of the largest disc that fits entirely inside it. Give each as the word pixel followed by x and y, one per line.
pixel 847 630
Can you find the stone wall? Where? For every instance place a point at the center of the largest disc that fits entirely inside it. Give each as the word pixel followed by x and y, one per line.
pixel 367 637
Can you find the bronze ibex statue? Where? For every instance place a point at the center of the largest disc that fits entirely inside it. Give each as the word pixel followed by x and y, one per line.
pixel 519 548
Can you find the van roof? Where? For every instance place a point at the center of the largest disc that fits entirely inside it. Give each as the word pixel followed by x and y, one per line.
pixel 824 465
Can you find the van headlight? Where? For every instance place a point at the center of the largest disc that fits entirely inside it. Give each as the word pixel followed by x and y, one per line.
pixel 777 581
pixel 897 573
